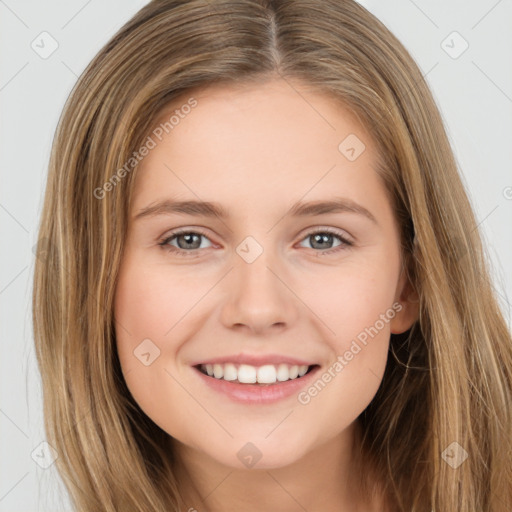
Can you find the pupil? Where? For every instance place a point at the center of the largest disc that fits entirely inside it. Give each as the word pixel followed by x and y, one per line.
pixel 188 239
pixel 322 238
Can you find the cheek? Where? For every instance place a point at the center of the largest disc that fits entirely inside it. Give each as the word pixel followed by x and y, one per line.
pixel 149 303
pixel 147 307
pixel 352 297
pixel 143 306
pixel 359 352
pixel 355 307
pixel 153 308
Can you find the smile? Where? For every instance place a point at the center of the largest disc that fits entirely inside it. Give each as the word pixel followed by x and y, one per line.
pixel 257 385
pixel 249 374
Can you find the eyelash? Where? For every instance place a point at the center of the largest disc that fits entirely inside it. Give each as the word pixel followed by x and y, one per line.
pixel 188 253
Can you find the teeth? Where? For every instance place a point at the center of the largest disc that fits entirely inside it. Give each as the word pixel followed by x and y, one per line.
pixel 283 372
pixel 230 372
pixel 218 371
pixel 247 374
pixel 303 370
pixel 266 374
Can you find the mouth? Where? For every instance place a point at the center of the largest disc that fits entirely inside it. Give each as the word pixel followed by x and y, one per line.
pixel 261 383
pixel 264 375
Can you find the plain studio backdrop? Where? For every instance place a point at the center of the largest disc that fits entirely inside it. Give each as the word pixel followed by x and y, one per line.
pixel 464 49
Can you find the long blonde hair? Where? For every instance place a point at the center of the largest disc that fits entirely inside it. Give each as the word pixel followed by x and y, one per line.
pixel 448 379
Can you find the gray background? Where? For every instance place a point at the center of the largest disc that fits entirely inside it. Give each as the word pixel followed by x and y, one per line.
pixel 472 88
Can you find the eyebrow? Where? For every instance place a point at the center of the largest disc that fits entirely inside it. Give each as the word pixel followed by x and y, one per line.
pixel 212 209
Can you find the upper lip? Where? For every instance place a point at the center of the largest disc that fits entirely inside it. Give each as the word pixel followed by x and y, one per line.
pixel 255 360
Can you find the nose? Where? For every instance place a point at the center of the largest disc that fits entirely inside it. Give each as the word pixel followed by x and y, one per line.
pixel 259 298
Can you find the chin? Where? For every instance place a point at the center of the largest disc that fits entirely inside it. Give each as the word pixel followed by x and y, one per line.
pixel 259 454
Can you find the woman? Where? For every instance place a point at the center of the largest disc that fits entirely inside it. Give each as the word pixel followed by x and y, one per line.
pixel 151 353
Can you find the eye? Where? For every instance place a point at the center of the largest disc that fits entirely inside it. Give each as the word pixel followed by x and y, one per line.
pixel 186 241
pixel 325 236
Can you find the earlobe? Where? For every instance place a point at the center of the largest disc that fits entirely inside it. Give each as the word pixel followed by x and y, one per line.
pixel 409 301
pixel 406 317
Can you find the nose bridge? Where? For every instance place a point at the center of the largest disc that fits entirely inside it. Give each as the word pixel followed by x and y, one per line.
pixel 258 296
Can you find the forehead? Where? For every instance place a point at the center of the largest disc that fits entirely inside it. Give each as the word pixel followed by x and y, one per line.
pixel 269 101
pixel 261 142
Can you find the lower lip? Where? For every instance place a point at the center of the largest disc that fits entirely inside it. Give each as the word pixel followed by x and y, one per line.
pixel 256 393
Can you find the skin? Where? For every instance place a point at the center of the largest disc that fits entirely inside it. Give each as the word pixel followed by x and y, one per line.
pixel 256 150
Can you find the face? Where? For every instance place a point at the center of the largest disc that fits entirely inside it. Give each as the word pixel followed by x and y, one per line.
pixel 269 284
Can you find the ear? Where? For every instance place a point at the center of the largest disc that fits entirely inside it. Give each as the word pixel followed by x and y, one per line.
pixel 409 300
